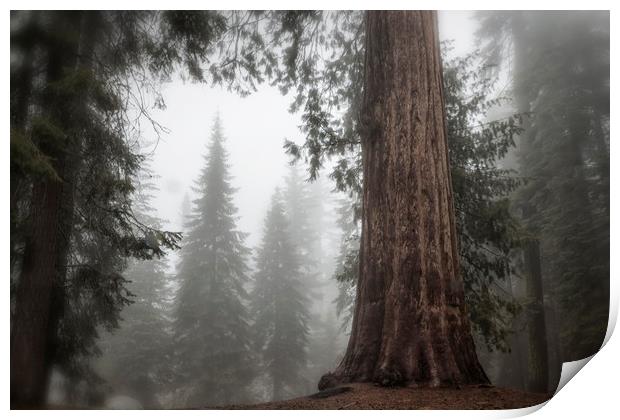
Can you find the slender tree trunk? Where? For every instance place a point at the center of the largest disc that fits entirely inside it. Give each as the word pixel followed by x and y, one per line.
pixel 538 366
pixel 29 332
pixel 410 324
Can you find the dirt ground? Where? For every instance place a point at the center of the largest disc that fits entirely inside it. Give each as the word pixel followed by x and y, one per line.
pixel 371 397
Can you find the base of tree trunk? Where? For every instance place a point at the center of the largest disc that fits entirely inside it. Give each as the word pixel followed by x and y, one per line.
pixel 393 378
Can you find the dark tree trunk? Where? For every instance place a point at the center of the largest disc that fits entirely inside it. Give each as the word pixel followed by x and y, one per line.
pixel 410 324
pixel 30 328
pixel 538 364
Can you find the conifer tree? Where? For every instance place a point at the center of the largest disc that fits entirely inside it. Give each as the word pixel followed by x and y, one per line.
pixel 279 308
pixel 211 325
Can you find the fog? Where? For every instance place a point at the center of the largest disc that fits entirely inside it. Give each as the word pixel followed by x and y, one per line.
pixel 254 128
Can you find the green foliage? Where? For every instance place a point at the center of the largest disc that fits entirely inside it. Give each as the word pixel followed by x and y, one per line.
pixel 89 300
pixel 487 231
pixel 26 157
pixel 186 38
pixel 212 333
pixel 279 306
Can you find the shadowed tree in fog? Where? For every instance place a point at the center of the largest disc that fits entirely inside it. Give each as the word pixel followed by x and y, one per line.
pixel 560 77
pixel 279 305
pixel 212 336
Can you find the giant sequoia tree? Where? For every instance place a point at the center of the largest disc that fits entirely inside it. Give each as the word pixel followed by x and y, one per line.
pixel 410 323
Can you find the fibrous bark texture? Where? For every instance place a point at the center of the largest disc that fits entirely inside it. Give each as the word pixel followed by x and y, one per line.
pixel 410 324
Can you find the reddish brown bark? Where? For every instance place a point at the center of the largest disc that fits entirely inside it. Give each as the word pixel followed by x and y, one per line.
pixel 410 324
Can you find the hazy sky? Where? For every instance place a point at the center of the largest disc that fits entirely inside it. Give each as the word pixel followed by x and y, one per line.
pixel 255 128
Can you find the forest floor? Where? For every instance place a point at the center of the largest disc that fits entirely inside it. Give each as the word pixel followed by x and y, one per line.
pixel 371 397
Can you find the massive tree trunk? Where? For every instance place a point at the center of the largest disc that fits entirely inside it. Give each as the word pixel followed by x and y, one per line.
pixel 30 327
pixel 410 324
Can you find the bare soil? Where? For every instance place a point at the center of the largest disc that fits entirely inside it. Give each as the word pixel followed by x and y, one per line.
pixel 371 397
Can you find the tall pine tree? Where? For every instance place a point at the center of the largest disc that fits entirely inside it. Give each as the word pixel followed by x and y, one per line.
pixel 211 325
pixel 279 307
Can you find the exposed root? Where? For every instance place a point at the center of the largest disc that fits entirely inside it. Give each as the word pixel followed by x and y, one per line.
pixel 329 380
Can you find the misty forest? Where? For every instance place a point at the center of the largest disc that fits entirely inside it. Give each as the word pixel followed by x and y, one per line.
pixel 306 209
